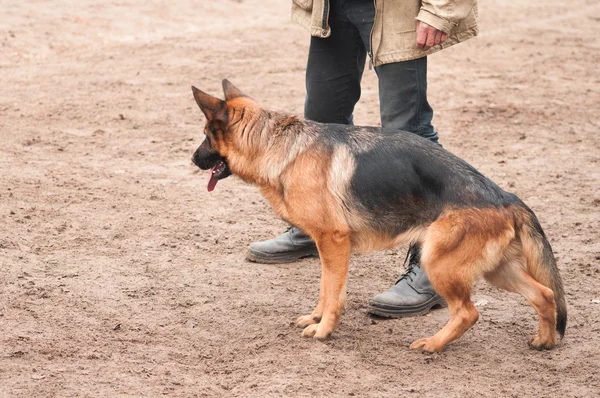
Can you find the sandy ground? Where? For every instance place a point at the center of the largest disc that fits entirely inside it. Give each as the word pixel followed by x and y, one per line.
pixel 121 276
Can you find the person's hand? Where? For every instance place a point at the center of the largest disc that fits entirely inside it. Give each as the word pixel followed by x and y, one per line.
pixel 428 36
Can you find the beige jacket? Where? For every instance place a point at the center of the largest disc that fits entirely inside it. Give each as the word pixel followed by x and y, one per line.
pixel 393 38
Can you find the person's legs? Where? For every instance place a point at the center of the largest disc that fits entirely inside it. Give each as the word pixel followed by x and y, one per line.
pixel 333 73
pixel 403 98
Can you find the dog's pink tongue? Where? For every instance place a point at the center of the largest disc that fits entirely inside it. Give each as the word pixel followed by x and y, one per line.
pixel 212 183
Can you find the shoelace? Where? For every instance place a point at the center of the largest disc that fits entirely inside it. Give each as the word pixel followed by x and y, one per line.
pixel 412 264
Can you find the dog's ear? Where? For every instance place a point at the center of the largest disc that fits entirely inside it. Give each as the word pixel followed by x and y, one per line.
pixel 231 91
pixel 213 108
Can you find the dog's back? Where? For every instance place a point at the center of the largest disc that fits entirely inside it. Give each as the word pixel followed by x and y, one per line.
pixel 402 180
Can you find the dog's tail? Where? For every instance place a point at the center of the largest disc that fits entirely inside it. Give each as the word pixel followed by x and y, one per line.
pixel 540 260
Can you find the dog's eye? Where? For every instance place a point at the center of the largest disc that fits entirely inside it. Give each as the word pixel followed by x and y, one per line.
pixel 209 133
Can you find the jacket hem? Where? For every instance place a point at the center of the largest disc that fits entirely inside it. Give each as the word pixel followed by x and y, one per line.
pixel 305 20
pixel 409 55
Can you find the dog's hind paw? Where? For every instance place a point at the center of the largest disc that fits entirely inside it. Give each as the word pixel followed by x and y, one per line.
pixel 537 343
pixel 306 320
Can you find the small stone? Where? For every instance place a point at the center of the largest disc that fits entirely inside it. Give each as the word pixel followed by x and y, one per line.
pixel 482 303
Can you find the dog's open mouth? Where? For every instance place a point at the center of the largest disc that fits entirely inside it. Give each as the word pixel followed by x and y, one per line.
pixel 219 171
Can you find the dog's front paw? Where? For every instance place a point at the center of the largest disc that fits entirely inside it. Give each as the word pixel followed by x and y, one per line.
pixel 427 344
pixel 306 320
pixel 317 331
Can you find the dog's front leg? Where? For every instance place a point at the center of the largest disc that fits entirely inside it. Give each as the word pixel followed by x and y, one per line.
pixel 334 250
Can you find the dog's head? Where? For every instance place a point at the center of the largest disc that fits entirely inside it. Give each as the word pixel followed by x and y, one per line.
pixel 212 153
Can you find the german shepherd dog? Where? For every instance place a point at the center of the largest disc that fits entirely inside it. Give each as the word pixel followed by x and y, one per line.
pixel 363 188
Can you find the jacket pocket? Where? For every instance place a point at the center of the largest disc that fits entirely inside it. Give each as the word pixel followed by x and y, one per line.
pixel 304 4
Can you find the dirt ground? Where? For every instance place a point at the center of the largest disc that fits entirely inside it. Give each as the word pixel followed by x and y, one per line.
pixel 120 275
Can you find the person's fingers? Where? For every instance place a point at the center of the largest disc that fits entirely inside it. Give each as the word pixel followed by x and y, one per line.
pixel 428 36
pixel 437 38
pixel 430 42
pixel 421 34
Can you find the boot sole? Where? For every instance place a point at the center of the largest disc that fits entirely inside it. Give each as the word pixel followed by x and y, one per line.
pixel 256 256
pixel 403 312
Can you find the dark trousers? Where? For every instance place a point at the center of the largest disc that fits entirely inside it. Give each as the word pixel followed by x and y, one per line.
pixel 335 68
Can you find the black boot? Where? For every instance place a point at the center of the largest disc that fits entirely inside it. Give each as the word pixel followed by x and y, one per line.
pixel 288 247
pixel 412 294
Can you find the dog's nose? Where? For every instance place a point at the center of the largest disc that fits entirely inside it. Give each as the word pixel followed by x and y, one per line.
pixel 195 160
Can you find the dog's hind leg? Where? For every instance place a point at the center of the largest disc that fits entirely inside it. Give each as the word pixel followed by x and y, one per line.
pixel 334 250
pixel 512 275
pixel 455 286
pixel 457 249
